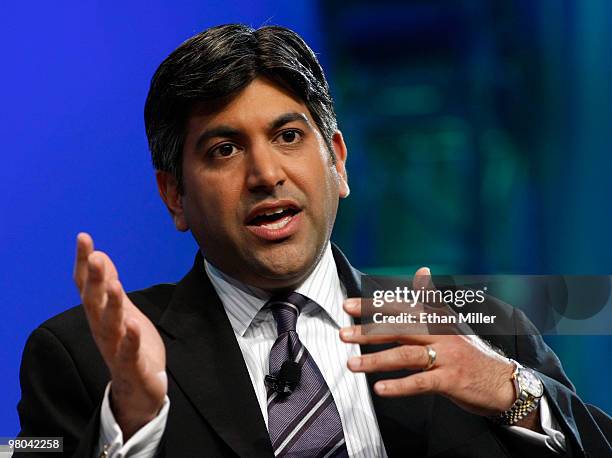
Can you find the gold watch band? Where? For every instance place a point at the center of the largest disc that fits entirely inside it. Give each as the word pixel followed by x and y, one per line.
pixel 519 410
pixel 526 402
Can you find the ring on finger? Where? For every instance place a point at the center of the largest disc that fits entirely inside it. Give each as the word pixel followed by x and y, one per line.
pixel 431 357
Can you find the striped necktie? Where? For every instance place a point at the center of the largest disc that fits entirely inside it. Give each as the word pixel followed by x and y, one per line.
pixel 304 423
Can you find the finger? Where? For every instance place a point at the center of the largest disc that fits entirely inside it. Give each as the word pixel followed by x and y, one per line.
pixel 402 357
pixel 84 247
pixel 419 383
pixel 356 334
pixel 111 327
pixel 359 307
pixel 353 334
pixel 109 267
pixel 94 294
pixel 352 306
pixel 422 279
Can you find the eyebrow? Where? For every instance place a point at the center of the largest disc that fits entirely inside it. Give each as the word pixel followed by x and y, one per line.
pixel 219 131
pixel 287 118
pixel 231 132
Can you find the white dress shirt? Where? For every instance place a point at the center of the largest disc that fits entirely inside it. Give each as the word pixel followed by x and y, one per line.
pixel 317 328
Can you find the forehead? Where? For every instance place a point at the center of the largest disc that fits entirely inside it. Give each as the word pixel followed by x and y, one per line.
pixel 255 106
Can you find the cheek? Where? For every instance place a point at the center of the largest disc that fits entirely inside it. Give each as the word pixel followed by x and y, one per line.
pixel 215 213
pixel 324 196
pixel 330 186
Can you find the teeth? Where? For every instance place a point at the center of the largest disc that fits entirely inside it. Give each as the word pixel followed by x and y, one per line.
pixel 275 212
pixel 279 225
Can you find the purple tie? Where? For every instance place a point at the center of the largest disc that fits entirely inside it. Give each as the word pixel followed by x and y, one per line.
pixel 305 422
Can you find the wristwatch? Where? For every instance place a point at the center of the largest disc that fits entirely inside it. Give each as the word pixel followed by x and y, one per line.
pixel 529 390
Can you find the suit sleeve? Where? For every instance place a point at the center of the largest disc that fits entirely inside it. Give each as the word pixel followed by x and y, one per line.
pixel 54 401
pixel 587 429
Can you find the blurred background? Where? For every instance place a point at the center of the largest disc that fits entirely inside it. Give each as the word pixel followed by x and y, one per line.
pixel 478 134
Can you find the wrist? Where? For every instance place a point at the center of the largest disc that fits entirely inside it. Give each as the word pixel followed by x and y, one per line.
pixel 506 389
pixel 528 389
pixel 130 410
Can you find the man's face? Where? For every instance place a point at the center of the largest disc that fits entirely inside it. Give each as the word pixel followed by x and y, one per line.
pixel 260 189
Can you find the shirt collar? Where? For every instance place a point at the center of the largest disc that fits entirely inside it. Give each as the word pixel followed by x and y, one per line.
pixel 243 302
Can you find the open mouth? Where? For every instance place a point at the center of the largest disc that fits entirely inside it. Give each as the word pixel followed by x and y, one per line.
pixel 275 221
pixel 274 218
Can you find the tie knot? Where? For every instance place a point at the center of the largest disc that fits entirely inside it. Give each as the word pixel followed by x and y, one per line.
pixel 286 309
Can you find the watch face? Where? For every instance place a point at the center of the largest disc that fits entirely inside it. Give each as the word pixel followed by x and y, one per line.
pixel 529 382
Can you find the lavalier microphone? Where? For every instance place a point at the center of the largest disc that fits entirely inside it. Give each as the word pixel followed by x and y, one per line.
pixel 286 379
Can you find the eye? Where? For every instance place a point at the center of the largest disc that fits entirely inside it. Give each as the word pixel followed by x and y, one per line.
pixel 223 150
pixel 290 136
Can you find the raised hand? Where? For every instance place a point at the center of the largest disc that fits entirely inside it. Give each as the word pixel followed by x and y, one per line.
pixel 129 343
pixel 466 369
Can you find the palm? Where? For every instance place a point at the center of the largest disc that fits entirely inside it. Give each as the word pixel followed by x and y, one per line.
pixel 151 359
pixel 129 343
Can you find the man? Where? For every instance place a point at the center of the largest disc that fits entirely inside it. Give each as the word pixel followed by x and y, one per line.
pixel 258 350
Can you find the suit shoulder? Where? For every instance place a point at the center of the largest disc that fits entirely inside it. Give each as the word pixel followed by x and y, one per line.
pixel 152 301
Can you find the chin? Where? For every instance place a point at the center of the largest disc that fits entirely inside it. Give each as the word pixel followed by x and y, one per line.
pixel 285 263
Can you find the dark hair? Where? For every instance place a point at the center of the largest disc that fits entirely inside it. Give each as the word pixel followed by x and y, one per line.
pixel 210 68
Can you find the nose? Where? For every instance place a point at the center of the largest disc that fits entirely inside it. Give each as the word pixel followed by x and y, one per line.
pixel 265 168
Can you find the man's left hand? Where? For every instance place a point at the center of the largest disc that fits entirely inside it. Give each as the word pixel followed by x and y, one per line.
pixel 466 369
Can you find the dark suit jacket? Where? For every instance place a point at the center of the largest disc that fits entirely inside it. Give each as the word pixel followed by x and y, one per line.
pixel 214 411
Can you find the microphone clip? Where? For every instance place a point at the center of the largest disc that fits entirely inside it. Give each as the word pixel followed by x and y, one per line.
pixel 286 380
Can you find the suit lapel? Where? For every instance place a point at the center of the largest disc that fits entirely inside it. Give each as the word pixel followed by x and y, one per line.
pixel 204 359
pixel 402 421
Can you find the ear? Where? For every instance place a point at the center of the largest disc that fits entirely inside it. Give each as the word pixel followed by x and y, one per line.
pixel 169 192
pixel 340 151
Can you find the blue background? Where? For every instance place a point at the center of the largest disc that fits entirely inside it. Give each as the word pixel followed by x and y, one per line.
pixel 478 142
